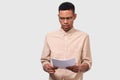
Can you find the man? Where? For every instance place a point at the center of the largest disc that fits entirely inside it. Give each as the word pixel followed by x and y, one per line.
pixel 67 43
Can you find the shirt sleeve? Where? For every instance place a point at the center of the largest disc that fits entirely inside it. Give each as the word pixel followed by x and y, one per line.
pixel 45 57
pixel 86 54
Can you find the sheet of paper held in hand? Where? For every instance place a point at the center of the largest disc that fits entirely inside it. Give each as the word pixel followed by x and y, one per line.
pixel 63 63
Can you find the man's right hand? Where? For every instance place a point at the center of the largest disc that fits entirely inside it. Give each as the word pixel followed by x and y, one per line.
pixel 49 68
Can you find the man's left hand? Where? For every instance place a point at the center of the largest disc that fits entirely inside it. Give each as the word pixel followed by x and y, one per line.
pixel 76 68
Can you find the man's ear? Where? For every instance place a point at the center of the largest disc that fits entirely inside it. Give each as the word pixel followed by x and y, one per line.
pixel 75 15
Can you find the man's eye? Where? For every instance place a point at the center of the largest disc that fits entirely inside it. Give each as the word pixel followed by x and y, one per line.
pixel 69 18
pixel 62 18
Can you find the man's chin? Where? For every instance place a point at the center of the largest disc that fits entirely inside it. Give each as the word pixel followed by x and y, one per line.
pixel 66 29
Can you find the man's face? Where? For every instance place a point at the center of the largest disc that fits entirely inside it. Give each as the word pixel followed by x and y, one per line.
pixel 66 19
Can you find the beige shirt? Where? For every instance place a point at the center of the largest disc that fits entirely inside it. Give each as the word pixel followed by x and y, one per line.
pixel 67 45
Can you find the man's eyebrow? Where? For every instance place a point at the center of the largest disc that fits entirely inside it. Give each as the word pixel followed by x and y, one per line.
pixel 66 17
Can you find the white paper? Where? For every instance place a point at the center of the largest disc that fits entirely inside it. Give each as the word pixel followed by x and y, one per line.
pixel 63 63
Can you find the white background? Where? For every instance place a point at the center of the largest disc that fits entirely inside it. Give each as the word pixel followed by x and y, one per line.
pixel 24 23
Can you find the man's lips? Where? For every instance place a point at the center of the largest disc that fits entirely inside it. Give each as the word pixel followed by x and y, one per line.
pixel 66 26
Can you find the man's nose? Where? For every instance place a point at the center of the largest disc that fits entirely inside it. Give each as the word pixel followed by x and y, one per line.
pixel 65 21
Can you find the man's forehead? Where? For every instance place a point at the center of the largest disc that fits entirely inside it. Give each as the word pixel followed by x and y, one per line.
pixel 66 13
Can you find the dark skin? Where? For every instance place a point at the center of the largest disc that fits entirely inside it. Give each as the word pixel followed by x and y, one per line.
pixel 76 68
pixel 66 19
pixel 49 68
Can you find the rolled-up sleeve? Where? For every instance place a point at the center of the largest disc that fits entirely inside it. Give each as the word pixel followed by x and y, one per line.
pixel 86 53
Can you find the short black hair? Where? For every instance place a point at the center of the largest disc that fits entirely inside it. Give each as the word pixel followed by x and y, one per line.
pixel 67 6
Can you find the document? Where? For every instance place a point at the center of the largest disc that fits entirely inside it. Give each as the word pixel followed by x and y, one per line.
pixel 63 63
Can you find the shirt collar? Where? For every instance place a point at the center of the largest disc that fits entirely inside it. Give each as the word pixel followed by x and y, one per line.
pixel 67 33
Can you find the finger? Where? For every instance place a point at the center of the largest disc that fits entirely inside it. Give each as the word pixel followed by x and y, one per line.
pixel 69 68
pixel 76 69
pixel 73 68
pixel 50 70
pixel 47 69
pixel 55 67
